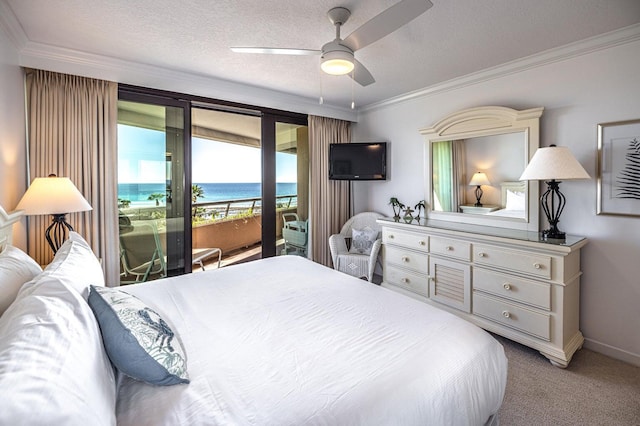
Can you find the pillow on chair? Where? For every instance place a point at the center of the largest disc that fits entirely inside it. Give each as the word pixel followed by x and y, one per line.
pixel 362 241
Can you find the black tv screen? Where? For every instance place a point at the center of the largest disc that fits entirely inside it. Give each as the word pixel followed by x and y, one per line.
pixel 358 161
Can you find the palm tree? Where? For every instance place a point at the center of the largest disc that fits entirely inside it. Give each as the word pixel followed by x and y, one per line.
pixel 419 207
pixel 156 196
pixel 395 203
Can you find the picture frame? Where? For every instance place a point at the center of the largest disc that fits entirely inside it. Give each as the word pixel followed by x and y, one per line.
pixel 619 168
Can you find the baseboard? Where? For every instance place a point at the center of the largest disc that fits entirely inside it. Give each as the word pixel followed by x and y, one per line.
pixel 612 352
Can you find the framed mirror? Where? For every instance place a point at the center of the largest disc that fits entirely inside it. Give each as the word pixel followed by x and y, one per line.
pixel 473 162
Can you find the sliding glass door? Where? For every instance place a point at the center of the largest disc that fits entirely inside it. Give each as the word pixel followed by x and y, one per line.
pixel 226 171
pixel 151 189
pixel 292 188
pixel 199 178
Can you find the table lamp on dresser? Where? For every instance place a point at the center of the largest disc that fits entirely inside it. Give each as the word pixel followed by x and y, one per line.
pixel 552 165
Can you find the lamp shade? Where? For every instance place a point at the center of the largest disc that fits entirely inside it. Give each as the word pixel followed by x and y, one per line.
pixel 52 195
pixel 479 178
pixel 554 162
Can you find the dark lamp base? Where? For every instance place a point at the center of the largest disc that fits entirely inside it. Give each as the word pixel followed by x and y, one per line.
pixel 550 234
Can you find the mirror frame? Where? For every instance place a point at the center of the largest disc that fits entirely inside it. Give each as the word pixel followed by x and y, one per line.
pixel 479 122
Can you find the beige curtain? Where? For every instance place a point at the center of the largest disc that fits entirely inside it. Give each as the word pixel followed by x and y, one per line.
pixel 460 181
pixel 72 127
pixel 329 198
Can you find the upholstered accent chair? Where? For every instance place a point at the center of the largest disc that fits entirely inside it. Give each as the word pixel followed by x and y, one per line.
pixel 355 249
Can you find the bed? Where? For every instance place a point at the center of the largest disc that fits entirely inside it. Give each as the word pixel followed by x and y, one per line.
pixel 513 196
pixel 280 341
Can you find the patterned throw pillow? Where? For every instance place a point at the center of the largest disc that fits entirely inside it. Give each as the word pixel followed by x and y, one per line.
pixel 138 341
pixel 362 241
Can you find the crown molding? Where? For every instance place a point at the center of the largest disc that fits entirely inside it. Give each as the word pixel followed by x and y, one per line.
pixel 69 61
pixel 11 27
pixel 583 47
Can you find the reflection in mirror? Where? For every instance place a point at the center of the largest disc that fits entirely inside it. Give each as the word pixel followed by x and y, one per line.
pixel 500 157
pixel 493 140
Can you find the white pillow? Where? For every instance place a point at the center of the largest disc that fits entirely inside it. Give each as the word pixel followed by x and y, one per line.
pixel 53 367
pixel 16 268
pixel 515 200
pixel 75 265
pixel 362 241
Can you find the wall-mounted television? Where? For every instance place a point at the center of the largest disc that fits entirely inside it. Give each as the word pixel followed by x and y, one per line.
pixel 358 161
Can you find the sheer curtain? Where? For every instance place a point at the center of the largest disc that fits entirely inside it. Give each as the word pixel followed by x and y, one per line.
pixel 72 127
pixel 329 198
pixel 449 180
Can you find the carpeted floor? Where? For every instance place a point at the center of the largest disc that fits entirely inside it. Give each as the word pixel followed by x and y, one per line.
pixel 592 390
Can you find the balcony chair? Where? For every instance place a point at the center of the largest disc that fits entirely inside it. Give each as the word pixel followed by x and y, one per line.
pixel 141 251
pixel 360 257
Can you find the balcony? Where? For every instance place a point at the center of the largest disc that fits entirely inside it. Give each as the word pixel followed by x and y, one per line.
pixel 234 226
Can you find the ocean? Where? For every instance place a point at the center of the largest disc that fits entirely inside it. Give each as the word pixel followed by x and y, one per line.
pixel 139 192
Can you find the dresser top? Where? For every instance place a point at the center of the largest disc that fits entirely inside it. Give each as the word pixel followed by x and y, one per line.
pixel 489 231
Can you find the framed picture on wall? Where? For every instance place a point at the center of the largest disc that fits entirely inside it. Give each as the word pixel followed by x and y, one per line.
pixel 619 168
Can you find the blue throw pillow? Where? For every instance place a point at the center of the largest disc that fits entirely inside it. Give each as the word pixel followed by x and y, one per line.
pixel 362 241
pixel 138 341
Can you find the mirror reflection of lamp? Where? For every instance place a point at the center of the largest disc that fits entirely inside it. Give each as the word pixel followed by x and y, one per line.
pixel 551 165
pixel 478 179
pixel 56 196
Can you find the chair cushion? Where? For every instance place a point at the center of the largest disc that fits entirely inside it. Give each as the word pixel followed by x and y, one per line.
pixel 362 240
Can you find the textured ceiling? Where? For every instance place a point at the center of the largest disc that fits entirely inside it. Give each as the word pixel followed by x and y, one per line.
pixel 452 39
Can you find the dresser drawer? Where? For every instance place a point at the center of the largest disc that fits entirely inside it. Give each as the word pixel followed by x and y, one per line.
pixel 513 288
pixel 518 317
pixel 407 239
pixel 532 264
pixel 412 281
pixel 452 248
pixel 417 262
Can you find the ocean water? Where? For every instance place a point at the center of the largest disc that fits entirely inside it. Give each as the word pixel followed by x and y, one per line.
pixel 139 192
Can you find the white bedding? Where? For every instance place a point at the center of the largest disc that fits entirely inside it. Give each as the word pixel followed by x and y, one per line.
pixel 284 341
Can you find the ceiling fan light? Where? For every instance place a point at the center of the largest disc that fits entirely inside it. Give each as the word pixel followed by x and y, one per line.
pixel 337 63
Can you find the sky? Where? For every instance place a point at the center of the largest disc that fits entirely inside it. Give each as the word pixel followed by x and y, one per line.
pixel 141 159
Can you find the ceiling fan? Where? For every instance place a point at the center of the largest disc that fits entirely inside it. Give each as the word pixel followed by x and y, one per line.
pixel 337 56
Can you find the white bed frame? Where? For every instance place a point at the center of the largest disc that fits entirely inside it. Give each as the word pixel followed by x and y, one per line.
pixel 6 226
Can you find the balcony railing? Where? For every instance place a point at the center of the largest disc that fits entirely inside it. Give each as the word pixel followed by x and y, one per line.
pixel 224 209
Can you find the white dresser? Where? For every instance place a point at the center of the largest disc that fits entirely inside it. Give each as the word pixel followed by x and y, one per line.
pixel 505 281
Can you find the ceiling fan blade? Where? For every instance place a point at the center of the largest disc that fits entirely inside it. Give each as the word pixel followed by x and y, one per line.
pixel 386 22
pixel 362 76
pixel 275 50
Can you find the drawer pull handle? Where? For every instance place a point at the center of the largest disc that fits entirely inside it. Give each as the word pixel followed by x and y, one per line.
pixel 391 237
pixel 506 314
pixel 482 254
pixel 405 259
pixel 422 243
pixel 537 265
pixel 449 248
pixel 405 280
pixel 506 286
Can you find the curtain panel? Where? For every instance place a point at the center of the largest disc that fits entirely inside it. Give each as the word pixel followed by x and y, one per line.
pixel 329 198
pixel 72 128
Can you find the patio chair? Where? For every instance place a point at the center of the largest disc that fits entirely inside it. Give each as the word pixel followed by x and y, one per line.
pixel 141 251
pixel 360 257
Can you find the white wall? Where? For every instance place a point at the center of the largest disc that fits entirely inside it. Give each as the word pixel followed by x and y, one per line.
pixel 12 133
pixel 577 94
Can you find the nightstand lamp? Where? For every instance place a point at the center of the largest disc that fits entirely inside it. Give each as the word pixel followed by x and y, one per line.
pixel 478 179
pixel 56 196
pixel 553 165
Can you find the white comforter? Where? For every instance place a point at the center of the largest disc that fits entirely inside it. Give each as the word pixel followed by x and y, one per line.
pixel 285 341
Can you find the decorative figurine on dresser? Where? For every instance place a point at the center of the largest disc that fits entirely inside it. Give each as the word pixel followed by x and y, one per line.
pixel 494 270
